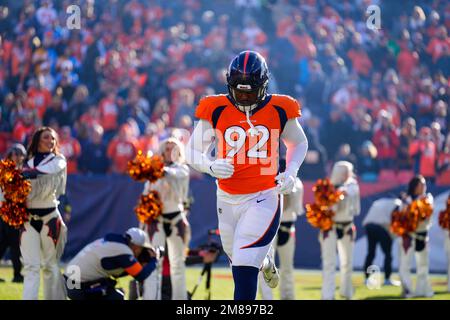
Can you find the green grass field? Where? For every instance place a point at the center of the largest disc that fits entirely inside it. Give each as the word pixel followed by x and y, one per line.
pixel 307 284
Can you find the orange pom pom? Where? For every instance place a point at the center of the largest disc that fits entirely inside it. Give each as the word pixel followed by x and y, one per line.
pixel 408 219
pixel 146 167
pixel 319 214
pixel 444 216
pixel 14 214
pixel 149 207
pixel 15 191
pixel 325 194
pixel 403 222
pixel 422 207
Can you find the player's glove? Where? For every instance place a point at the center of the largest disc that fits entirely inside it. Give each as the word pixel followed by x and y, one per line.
pixel 221 168
pixel 286 183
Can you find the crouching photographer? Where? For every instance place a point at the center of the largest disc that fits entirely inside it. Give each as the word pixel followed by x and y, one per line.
pixel 205 254
pixel 92 273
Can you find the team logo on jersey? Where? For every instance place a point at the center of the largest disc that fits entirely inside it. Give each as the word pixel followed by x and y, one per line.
pixel 219 210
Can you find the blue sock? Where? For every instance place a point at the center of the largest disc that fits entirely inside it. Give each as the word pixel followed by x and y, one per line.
pixel 245 282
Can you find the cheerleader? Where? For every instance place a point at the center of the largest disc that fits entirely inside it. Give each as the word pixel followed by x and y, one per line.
pixel 43 237
pixel 9 236
pixel 447 243
pixel 171 226
pixel 342 234
pixel 416 244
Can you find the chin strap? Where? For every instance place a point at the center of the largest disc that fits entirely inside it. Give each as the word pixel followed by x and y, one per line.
pixel 253 131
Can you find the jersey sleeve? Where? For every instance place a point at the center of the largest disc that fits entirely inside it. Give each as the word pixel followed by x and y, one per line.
pixel 204 109
pixel 292 108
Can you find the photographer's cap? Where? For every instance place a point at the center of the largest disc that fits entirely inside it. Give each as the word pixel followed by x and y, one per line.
pixel 18 148
pixel 139 237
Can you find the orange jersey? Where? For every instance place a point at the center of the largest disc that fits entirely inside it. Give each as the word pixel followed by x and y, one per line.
pixel 255 158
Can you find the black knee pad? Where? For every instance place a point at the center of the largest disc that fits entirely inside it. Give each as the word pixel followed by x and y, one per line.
pixel 284 233
pixel 420 245
pixel 421 241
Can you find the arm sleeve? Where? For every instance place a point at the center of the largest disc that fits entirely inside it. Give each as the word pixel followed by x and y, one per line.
pixel 299 205
pixel 55 166
pixel 296 143
pixel 198 145
pixel 178 172
pixel 133 267
pixel 52 167
pixel 352 198
pixel 31 173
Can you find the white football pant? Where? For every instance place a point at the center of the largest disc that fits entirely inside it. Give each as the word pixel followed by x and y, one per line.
pixel 247 229
pixel 43 249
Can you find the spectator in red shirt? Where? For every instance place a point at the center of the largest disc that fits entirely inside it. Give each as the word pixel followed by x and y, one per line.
pixel 122 148
pixel 437 136
pixel 70 148
pixel 436 45
pixel 91 117
pixel 386 140
pixel 444 163
pixel 20 63
pixel 393 105
pixel 109 112
pixel 24 128
pixel 149 141
pixel 407 61
pixel 39 98
pixel 361 62
pixel 303 44
pixel 253 34
pixel 423 150
pixel 441 115
pixel 408 134
pixel 424 102
pixel 161 107
pixel 433 26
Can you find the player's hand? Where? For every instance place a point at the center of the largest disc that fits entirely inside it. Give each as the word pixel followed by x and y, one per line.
pixel 221 168
pixel 286 183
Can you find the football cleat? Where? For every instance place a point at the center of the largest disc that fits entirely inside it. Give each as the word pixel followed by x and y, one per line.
pixel 271 274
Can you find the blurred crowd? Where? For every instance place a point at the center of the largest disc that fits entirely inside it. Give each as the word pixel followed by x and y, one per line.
pixel 135 70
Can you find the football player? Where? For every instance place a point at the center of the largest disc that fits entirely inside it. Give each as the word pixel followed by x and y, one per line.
pixel 246 126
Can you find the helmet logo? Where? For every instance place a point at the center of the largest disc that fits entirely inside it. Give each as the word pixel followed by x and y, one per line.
pixel 244 86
